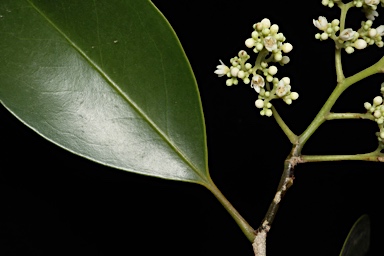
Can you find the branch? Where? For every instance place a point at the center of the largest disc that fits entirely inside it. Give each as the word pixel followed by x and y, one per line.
pixel 334 116
pixel 372 157
pixel 291 136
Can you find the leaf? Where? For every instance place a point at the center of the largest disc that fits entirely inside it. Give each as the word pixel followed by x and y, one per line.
pixel 107 80
pixel 358 239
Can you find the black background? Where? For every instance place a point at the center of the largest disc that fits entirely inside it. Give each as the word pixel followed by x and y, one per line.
pixel 56 203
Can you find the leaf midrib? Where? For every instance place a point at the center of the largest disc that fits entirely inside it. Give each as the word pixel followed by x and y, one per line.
pixel 121 93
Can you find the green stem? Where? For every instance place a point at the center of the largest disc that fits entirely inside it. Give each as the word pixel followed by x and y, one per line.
pixel 373 157
pixel 378 67
pixel 259 59
pixel 324 112
pixel 344 9
pixel 248 231
pixel 291 136
pixel 339 68
pixel 321 116
pixel 334 116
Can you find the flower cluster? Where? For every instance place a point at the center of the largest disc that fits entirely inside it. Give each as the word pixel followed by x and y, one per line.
pixel 329 29
pixel 369 6
pixel 270 46
pixel 377 110
pixel 348 38
pixel 330 3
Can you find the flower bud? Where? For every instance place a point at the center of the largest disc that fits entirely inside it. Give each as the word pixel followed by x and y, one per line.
pixel 360 44
pixel 274 29
pixel 234 71
pixel 286 48
pixel 259 103
pixel 268 112
pixel 266 23
pixel 372 32
pixel 377 100
pixel 249 42
pixel 324 36
pixel 294 95
pixel 349 50
pixel 285 60
pixel 272 70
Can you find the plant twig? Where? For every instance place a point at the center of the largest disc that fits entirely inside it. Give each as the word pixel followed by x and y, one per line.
pixel 291 136
pixel 335 116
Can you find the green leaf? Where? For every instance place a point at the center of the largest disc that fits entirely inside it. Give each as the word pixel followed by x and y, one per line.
pixel 107 80
pixel 358 239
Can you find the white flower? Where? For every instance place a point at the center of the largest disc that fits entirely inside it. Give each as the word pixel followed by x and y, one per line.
pixel 347 34
pixel 283 87
pixel 380 30
pixel 257 82
pixel 370 14
pixel 321 23
pixel 372 2
pixel 222 69
pixel 270 43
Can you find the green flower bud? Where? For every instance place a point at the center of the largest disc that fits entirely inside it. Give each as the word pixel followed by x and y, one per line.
pixel 377 100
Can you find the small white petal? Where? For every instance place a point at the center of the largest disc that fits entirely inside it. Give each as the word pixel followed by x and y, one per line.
pixel 321 23
pixel 380 30
pixel 347 34
pixel 221 69
pixel 270 43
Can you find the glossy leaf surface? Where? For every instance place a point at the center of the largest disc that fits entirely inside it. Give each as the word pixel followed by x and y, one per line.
pixel 358 240
pixel 105 79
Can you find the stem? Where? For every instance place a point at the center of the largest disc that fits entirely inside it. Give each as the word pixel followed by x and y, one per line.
pixel 291 136
pixel 372 157
pixel 378 67
pixel 324 111
pixel 285 183
pixel 334 116
pixel 321 116
pixel 344 9
pixel 260 58
pixel 339 68
pixel 248 231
